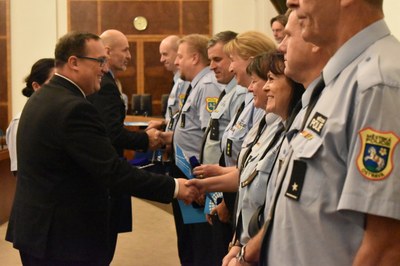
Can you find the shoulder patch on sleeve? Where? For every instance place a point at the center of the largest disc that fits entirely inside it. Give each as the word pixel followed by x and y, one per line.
pixel 211 103
pixel 375 159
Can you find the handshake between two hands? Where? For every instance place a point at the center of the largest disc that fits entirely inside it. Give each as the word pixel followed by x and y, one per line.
pixel 157 138
pixel 190 190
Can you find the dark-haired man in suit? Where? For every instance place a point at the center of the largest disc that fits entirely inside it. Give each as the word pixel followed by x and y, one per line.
pixel 68 167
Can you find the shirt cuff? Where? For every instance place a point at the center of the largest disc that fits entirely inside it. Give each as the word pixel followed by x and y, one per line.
pixel 176 191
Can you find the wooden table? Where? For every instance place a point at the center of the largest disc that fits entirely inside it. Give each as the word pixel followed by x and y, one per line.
pixel 136 123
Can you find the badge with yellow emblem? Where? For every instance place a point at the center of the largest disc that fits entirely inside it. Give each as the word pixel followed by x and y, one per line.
pixel 181 99
pixel 375 160
pixel 211 103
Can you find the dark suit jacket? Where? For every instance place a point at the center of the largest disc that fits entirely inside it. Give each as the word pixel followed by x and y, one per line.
pixel 109 103
pixel 67 170
pixel 112 109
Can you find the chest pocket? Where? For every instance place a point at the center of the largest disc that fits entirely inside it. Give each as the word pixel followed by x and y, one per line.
pixel 171 101
pixel 238 131
pixel 217 113
pixel 267 163
pixel 264 167
pixel 306 150
pixel 221 109
pixel 185 109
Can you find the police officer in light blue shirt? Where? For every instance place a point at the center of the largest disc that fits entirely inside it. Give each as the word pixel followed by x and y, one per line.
pixel 220 117
pixel 304 67
pixel 168 49
pixel 339 202
pixel 241 50
pixel 200 100
pixel 257 158
pixel 195 113
pixel 236 131
pixel 175 101
pixel 229 102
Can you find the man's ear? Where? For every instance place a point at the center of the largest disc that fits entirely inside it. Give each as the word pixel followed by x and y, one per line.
pixel 108 50
pixel 195 58
pixel 73 62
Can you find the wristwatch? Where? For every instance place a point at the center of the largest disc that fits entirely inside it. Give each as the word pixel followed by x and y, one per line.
pixel 240 256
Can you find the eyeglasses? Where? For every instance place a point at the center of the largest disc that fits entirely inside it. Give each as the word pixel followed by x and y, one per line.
pixel 101 60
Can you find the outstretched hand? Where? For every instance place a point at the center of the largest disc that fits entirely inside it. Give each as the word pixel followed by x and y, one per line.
pixel 230 258
pixel 197 183
pixel 187 193
pixel 166 137
pixel 156 124
pixel 207 170
pixel 155 141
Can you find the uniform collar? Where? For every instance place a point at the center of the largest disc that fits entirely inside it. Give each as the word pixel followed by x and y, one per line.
pixel 353 48
pixel 305 98
pixel 199 75
pixel 177 76
pixel 232 84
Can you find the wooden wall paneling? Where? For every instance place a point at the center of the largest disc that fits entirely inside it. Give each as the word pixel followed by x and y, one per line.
pixel 140 67
pixel 145 74
pixel 157 80
pixel 162 16
pixel 83 16
pixel 3 18
pixel 7 181
pixel 196 17
pixel 4 95
pixel 5 75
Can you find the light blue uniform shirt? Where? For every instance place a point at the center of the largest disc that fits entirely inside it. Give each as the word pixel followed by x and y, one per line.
pixel 224 113
pixel 252 195
pixel 175 98
pixel 195 113
pixel 344 180
pixel 235 133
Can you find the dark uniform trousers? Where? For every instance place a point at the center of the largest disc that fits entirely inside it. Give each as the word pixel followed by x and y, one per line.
pixel 195 243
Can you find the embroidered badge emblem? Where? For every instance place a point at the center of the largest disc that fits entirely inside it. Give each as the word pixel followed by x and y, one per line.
pixel 211 103
pixel 181 99
pixel 375 160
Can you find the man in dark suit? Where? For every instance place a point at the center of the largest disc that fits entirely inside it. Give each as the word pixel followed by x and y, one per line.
pixel 68 167
pixel 108 101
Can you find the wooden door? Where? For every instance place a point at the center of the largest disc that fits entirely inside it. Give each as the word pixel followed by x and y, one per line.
pixel 5 92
